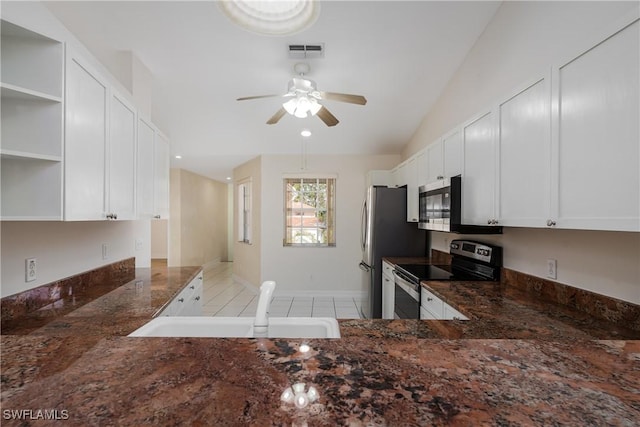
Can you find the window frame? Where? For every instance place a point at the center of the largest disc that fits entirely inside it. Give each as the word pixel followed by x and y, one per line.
pixel 329 210
pixel 244 214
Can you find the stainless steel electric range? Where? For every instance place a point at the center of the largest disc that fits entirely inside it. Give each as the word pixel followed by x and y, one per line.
pixel 471 261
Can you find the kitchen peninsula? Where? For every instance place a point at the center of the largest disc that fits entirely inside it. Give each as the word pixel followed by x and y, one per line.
pixel 513 363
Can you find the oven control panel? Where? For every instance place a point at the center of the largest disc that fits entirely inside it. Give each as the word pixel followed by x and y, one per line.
pixel 475 250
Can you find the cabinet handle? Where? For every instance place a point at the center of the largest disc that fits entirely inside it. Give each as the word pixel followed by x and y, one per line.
pixel 429 299
pixel 192 287
pixel 156 216
pixel 488 222
pixel 440 177
pixel 180 299
pixel 197 298
pixel 551 223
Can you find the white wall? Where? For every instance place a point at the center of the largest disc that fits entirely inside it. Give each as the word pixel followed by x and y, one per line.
pixel 523 40
pixel 63 249
pixel 316 271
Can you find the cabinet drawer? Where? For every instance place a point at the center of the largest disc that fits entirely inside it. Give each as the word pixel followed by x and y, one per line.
pixel 432 303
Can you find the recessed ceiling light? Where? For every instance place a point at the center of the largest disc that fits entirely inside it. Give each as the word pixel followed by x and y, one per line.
pixel 271 17
pixel 305 132
pixel 178 156
pixel 228 178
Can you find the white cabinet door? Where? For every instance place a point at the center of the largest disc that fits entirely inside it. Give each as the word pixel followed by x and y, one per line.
pixel 388 290
pixel 161 177
pixel 144 173
pixel 435 168
pixel 479 175
pixel 524 142
pixel 86 121
pixel 422 160
pixel 411 178
pixel 122 159
pixel 596 136
pixel 452 154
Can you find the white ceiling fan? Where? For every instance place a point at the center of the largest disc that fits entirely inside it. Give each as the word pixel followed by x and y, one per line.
pixel 304 99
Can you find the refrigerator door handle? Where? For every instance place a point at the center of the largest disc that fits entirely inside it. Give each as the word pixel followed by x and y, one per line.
pixel 364 267
pixel 363 226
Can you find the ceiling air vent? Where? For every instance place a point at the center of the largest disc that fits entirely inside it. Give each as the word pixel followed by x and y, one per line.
pixel 306 51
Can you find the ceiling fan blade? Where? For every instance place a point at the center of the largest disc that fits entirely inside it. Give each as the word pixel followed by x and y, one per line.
pixel 344 97
pixel 256 97
pixel 277 116
pixel 328 118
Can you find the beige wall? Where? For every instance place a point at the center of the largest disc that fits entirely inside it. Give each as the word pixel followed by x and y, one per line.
pixel 304 271
pixel 159 239
pixel 198 219
pixel 247 256
pixel 523 40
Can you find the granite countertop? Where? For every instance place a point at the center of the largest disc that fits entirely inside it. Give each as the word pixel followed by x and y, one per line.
pixel 82 369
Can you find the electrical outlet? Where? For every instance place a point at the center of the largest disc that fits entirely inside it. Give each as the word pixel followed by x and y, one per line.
pixel 30 270
pixel 139 244
pixel 552 268
pixel 105 251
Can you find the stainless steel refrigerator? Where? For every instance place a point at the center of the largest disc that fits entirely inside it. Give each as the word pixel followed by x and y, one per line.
pixel 385 232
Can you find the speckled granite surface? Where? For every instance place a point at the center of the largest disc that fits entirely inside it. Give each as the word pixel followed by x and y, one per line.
pixel 553 370
pixel 361 382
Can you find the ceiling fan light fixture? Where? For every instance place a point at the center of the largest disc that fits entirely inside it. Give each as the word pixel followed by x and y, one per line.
pixel 301 106
pixel 271 17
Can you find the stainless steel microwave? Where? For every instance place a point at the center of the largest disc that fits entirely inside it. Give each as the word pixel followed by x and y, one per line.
pixel 441 208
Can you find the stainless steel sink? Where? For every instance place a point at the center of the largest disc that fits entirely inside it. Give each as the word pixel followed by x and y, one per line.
pixel 238 327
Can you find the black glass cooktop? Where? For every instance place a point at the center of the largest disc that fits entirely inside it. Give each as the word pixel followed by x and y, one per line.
pixel 437 272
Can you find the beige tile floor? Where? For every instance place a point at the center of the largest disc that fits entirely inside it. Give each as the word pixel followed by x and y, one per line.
pixel 224 297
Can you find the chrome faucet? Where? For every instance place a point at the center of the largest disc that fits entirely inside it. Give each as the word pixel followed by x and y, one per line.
pixel 261 322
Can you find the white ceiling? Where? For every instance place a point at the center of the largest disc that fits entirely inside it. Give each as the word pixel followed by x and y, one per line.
pixel 399 55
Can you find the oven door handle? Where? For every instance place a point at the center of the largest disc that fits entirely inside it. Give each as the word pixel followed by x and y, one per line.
pixel 408 289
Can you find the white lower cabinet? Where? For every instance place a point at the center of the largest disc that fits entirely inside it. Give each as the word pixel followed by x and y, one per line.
pixel 188 302
pixel 388 290
pixel 434 308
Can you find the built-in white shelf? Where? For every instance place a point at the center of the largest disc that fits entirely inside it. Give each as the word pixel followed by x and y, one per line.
pixel 11 154
pixel 10 91
pixel 31 157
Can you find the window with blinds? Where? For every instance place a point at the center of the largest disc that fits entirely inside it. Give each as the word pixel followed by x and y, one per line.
pixel 309 211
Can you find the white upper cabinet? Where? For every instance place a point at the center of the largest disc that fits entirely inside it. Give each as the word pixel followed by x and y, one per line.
pixel 524 142
pixel 161 176
pixel 122 159
pixel 144 173
pixel 411 178
pixel 452 154
pixel 479 171
pixel 435 164
pixel 32 73
pixel 422 159
pixel 596 136
pixel 86 127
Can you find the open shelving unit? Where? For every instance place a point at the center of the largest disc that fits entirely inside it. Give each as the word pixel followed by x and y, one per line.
pixel 31 92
